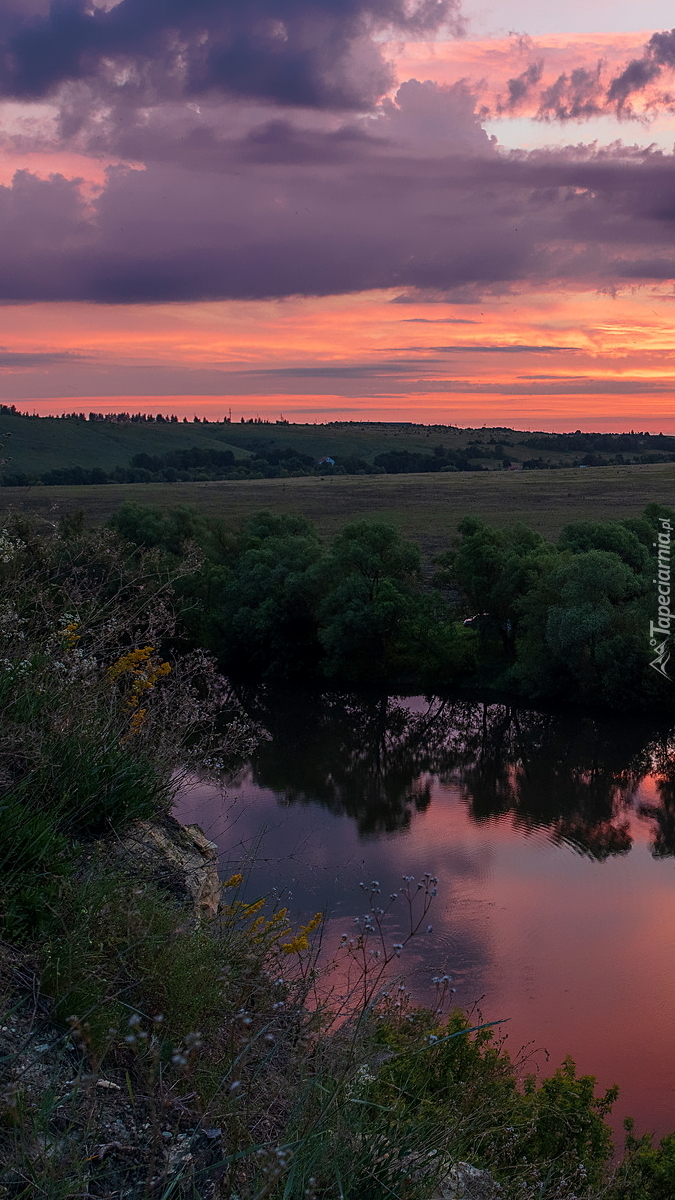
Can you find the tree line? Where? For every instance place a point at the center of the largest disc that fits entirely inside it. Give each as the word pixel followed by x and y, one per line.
pixel 198 464
pixel 505 609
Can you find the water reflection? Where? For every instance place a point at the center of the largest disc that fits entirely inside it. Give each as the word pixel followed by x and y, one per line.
pixel 374 759
pixel 662 814
pixel 551 834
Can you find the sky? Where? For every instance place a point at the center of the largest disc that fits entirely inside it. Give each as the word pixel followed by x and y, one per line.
pixel 445 211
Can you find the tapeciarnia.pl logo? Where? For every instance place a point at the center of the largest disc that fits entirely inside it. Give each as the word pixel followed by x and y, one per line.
pixel 660 629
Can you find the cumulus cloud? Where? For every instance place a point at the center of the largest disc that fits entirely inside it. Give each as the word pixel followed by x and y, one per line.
pixel 418 197
pixel 586 91
pixel 573 97
pixel 521 87
pixel 319 53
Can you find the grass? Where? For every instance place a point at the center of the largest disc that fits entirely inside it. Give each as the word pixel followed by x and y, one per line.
pixel 44 444
pixel 363 439
pixel 423 507
pixel 37 445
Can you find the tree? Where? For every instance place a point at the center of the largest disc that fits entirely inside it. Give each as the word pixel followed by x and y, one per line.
pixel 615 536
pixel 367 601
pixel 493 569
pixel 583 630
pixel 259 601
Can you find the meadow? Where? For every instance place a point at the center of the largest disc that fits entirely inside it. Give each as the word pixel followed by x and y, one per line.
pixel 33 446
pixel 44 443
pixel 425 508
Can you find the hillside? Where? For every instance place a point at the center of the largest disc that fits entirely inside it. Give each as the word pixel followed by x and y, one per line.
pixel 38 444
pixel 59 451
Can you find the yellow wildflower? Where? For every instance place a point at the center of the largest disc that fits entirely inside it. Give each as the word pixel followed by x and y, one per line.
pixel 298 943
pixel 70 635
pixel 301 940
pixel 233 881
pixel 279 917
pixel 129 662
pixel 144 674
pixel 137 720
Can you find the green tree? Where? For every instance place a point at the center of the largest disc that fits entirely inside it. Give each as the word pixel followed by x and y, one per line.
pixel 375 625
pixel 614 536
pixel 583 630
pixel 256 608
pixel 150 527
pixel 494 569
pixel 367 602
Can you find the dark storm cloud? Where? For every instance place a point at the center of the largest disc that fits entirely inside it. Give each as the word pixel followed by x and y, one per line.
pixel 297 52
pixel 419 198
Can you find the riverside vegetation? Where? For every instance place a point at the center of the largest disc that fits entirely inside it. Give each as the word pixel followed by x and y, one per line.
pixel 145 1052
pixel 504 608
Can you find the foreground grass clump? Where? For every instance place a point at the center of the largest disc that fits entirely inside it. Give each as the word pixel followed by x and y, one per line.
pixel 146 1052
pixel 97 722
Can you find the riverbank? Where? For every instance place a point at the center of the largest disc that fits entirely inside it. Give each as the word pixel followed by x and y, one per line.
pixel 152 1050
pixel 199 1071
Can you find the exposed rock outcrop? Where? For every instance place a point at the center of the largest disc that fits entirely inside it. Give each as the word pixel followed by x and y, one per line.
pixel 180 858
pixel 465 1182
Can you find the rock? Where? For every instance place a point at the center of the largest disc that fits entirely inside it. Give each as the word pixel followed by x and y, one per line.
pixel 465 1182
pixel 180 858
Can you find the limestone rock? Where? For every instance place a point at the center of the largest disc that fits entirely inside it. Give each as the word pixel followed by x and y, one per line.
pixel 180 858
pixel 465 1182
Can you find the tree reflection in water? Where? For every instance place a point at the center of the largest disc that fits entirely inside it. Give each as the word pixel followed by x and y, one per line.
pixel 375 759
pixel 662 814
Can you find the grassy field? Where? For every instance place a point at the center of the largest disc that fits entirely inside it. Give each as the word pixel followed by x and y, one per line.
pixel 363 439
pixel 40 444
pixel 37 445
pixel 33 446
pixel 425 508
pixel 46 443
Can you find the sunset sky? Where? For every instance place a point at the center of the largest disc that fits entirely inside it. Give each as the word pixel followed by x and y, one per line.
pixel 340 209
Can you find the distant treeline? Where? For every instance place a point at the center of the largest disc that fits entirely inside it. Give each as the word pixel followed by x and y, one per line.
pixel 119 418
pixel 506 609
pixel 603 449
pixel 197 464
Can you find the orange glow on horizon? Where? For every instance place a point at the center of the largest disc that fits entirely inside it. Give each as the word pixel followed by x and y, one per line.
pixel 560 360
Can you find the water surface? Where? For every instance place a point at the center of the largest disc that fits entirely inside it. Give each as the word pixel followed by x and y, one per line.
pixel 553 839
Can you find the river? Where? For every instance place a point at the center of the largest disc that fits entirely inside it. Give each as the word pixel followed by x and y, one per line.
pixel 553 839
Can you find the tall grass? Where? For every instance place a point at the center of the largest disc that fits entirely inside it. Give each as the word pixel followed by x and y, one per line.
pixel 98 722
